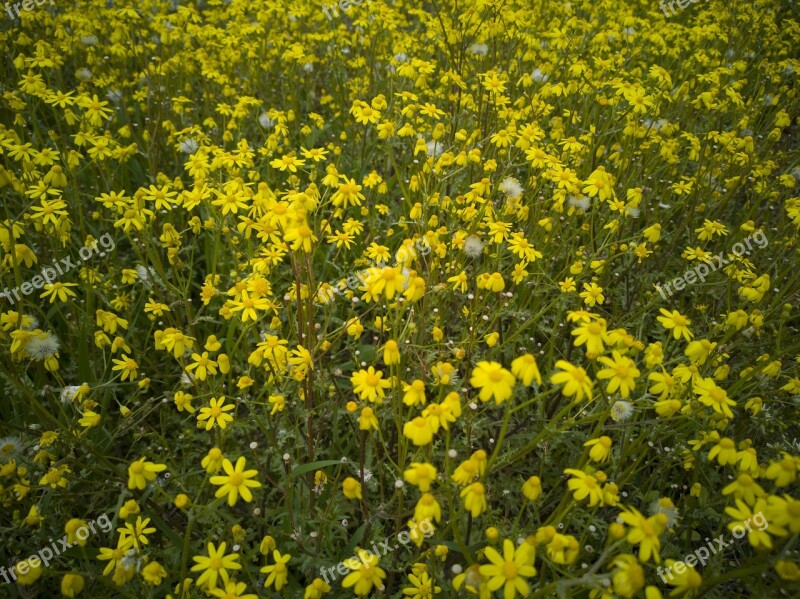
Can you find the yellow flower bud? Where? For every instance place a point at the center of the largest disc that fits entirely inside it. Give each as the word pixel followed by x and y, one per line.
pixel 616 530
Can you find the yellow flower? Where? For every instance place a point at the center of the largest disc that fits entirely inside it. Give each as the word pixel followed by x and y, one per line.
pixel 627 576
pixel 677 323
pixel 90 419
pixel 71 585
pixel 592 294
pixel 233 590
pixel 724 452
pixel 153 573
pixel 215 566
pixel 474 498
pixel 71 528
pixel 287 162
pixel 699 350
pixel 129 508
pixel 183 401
pixel 58 290
pixel 745 488
pixel 277 573
pixel 663 383
pixel 315 154
pixel 567 285
pixel 367 420
pixel 216 413
pixel 562 549
pixel 420 475
pixel 33 518
pixel 140 473
pixel 782 513
pixel 784 471
pixel 584 485
pixel 391 353
pixel 427 509
pixel 415 290
pixel 114 556
pixel 713 396
pixel 363 578
pixel 466 472
pixel 667 407
pixel 787 570
pixel 419 431
pixel 526 369
pixel 278 402
pixel 645 532
pixel 473 582
pixel 509 570
pixel 532 488
pixel 250 305
pixel 493 381
pixel 347 194
pixel 135 534
pixel 388 281
pixel 236 483
pixel 212 462
pixel 422 586
pixel 127 366
pixel 575 380
pixel 302 361
pixel 414 394
pixel 351 488
pixel 652 233
pixel 203 364
pixel 459 281
pixel 317 589
pixel 267 544
pixel 746 519
pixel 369 384
pixel 592 334
pixel 600 448
pixel 621 371
pixel 685 580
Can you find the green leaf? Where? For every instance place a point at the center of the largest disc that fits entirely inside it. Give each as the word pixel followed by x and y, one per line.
pixel 369 353
pixel 303 468
pixel 347 552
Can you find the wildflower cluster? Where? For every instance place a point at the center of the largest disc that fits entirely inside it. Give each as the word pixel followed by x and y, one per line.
pixel 400 270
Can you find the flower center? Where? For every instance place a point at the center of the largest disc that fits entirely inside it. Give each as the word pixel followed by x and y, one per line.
pixel 510 570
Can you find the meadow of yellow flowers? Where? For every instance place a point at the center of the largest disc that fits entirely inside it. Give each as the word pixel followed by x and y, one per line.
pixel 402 298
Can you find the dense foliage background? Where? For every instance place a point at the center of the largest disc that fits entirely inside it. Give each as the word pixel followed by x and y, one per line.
pixel 504 291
